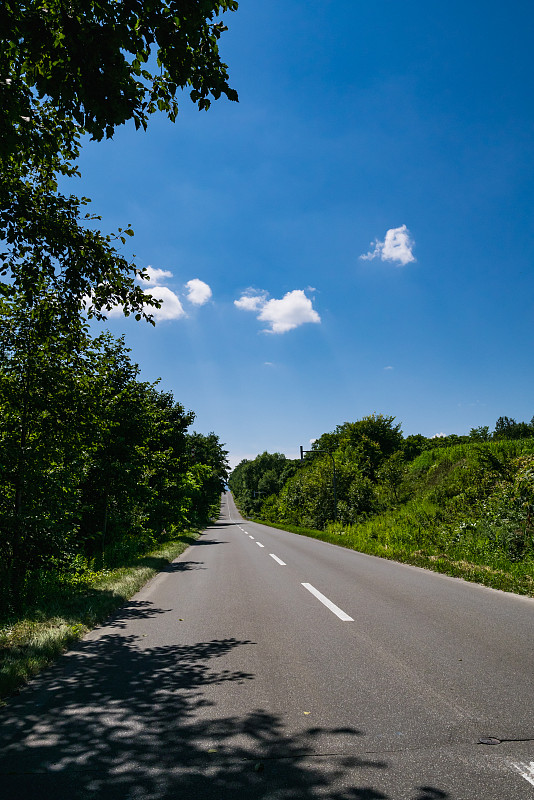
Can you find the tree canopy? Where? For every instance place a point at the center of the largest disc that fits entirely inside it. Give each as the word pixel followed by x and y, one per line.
pixel 101 63
pixel 74 67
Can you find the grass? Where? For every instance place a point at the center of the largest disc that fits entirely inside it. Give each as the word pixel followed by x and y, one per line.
pixel 32 642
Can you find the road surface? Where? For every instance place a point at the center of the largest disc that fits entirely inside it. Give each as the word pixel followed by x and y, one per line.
pixel 264 665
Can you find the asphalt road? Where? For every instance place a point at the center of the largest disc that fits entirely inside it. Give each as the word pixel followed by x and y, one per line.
pixel 266 665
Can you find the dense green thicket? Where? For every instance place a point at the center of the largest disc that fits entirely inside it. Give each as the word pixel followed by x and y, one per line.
pixel 95 464
pixel 457 497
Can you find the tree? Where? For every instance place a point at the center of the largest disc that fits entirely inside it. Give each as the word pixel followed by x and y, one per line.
pixel 508 428
pixel 376 428
pixel 101 63
pixel 391 473
pixel 207 452
pixel 480 434
pixel 47 420
pixel 93 461
pixel 414 445
pixel 80 67
pixel 252 482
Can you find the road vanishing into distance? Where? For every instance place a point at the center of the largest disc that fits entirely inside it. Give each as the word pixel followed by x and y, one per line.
pixel 266 665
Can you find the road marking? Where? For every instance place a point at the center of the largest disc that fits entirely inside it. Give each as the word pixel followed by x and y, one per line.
pixel 250 537
pixel 525 770
pixel 278 560
pixel 260 544
pixel 328 603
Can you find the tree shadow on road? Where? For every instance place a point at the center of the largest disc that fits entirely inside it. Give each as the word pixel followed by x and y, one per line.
pixel 116 719
pixel 183 566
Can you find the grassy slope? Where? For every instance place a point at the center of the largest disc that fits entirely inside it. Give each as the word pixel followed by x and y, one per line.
pixel 27 645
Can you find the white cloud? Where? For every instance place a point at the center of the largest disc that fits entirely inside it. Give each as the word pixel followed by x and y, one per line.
pixel 294 309
pixel 250 301
pixel 387 368
pixel 171 307
pixel 198 292
pixel 156 276
pixel 438 436
pixel 397 246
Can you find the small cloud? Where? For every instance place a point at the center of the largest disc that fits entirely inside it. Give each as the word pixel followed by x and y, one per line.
pixel 198 292
pixel 291 311
pixel 438 436
pixel 312 441
pixel 268 364
pixel 388 368
pixel 171 307
pixel 250 300
pixel 156 276
pixel 397 246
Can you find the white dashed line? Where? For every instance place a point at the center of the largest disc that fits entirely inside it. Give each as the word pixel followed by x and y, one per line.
pixel 328 603
pixel 278 560
pixel 260 544
pixel 250 537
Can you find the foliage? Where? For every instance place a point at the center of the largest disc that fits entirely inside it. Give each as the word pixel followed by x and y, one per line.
pixel 103 63
pixel 253 482
pixel 463 505
pixel 374 438
pixel 507 428
pixel 357 451
pixel 208 465
pixel 85 68
pixel 93 461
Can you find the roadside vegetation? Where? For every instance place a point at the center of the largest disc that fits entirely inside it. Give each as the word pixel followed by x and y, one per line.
pixel 461 505
pixel 71 604
pixel 100 477
pixel 101 482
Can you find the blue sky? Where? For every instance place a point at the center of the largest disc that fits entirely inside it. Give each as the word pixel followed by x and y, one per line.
pixel 400 131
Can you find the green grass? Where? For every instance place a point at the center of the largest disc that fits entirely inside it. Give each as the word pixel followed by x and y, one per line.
pixel 35 640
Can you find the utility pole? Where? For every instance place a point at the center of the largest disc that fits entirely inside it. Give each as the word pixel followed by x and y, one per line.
pixel 328 453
